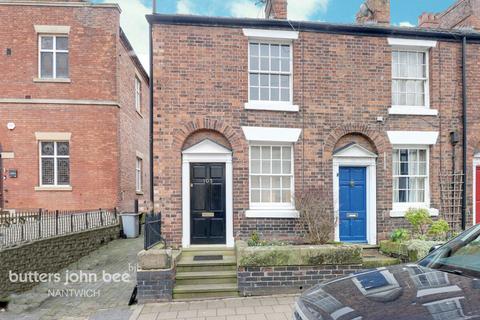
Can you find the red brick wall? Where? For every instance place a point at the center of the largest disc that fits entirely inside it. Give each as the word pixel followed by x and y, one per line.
pixel 134 133
pixel 342 87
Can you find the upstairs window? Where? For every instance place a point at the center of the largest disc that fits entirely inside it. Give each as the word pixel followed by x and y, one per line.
pixel 53 57
pixel 410 78
pixel 54 163
pixel 138 174
pixel 270 72
pixel 138 95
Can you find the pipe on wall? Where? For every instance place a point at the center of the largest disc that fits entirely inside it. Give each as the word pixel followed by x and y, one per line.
pixel 464 135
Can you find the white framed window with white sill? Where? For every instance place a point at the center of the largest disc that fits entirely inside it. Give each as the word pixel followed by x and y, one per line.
pixel 138 95
pixel 54 163
pixel 270 70
pixel 271 172
pixel 138 174
pixel 53 57
pixel 410 77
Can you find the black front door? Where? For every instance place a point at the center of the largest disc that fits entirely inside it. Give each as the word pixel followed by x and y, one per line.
pixel 207 203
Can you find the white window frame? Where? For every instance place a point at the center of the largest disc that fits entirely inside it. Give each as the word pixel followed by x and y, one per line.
pixel 54 50
pixel 272 205
pixel 138 174
pixel 55 165
pixel 268 104
pixel 400 208
pixel 138 95
pixel 413 45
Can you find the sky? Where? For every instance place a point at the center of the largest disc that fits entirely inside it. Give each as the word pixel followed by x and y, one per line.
pixel 403 13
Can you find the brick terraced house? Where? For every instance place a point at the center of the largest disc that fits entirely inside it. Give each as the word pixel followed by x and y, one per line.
pixel 254 110
pixel 74 108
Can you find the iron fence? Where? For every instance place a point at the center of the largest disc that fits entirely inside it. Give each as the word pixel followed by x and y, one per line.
pixel 153 230
pixel 21 226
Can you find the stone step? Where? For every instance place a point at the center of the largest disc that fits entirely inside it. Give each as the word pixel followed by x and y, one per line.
pixel 207 248
pixel 194 291
pixel 370 262
pixel 208 253
pixel 206 277
pixel 187 261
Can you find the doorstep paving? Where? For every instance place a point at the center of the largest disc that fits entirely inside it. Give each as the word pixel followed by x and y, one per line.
pixel 250 308
pixel 108 300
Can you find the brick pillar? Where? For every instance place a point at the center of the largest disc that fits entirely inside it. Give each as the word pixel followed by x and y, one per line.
pixel 276 9
pixel 427 20
pixel 374 11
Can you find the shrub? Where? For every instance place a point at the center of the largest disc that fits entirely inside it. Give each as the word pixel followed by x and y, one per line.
pixel 439 229
pixel 254 239
pixel 316 215
pixel 400 235
pixel 420 221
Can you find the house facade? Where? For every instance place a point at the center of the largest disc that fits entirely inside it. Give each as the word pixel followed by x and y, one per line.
pixel 256 111
pixel 74 109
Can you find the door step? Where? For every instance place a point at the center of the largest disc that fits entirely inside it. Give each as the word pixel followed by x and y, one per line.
pixel 372 258
pixel 206 278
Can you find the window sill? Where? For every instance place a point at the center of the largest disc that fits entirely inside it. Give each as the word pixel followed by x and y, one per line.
pixel 140 193
pixel 54 80
pixel 271 106
pixel 400 212
pixel 54 188
pixel 414 111
pixel 272 213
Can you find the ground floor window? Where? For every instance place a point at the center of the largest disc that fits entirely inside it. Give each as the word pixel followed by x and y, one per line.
pixel 410 175
pixel 271 176
pixel 138 174
pixel 54 163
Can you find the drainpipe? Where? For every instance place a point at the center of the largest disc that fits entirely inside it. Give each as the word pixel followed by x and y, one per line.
pixel 154 10
pixel 464 143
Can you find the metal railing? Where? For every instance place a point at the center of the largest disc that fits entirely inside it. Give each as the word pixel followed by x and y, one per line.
pixel 22 226
pixel 153 230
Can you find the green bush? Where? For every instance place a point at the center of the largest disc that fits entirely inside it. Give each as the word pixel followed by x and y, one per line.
pixel 420 221
pixel 439 229
pixel 400 235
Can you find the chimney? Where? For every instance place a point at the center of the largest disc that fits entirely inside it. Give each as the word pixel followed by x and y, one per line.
pixel 374 12
pixel 427 20
pixel 276 9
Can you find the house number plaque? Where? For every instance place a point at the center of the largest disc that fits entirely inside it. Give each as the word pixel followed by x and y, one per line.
pixel 352 215
pixel 208 214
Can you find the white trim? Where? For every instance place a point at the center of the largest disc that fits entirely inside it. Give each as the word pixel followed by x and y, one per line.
pixel 54 51
pixel 417 111
pixel 207 151
pixel 55 80
pixel 7 155
pixel 412 43
pixel 272 213
pixel 139 154
pixel 399 212
pixel 271 106
pixel 60 101
pixel 413 137
pixel 357 159
pixel 52 29
pixel 476 163
pixel 53 136
pixel 271 134
pixel 266 34
pixel 54 188
pixel 48 3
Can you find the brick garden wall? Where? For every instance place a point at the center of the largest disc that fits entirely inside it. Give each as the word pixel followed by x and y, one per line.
pixel 155 285
pixel 49 255
pixel 254 281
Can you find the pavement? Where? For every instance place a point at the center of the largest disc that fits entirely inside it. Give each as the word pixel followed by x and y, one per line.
pixel 250 308
pixel 91 297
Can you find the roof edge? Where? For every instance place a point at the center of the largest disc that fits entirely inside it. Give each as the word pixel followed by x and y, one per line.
pixel 59 4
pixel 309 26
pixel 134 57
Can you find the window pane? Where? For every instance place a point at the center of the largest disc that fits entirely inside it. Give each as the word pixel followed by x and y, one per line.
pixel 287 167
pixel 265 182
pixel 276 166
pixel 63 168
pixel 286 196
pixel 48 149
pixel 276 152
pixel 264 94
pixel 47 43
pixel 62 65
pixel 254 62
pixel 48 171
pixel 62 148
pixel 275 64
pixel 264 64
pixel 255 152
pixel 275 50
pixel 276 182
pixel 255 182
pixel 274 94
pixel 275 80
pixel 62 43
pixel 266 153
pixel 255 167
pixel 285 95
pixel 285 65
pixel 264 80
pixel 266 196
pixel 286 182
pixel 254 49
pixel 46 65
pixel 255 196
pixel 266 166
pixel 254 79
pixel 285 82
pixel 285 51
pixel 287 153
pixel 254 93
pixel 276 196
pixel 264 50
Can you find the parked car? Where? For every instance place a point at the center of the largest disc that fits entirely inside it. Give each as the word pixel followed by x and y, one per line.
pixel 445 285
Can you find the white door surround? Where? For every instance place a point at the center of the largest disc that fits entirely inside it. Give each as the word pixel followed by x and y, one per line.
pixel 476 163
pixel 207 151
pixel 354 155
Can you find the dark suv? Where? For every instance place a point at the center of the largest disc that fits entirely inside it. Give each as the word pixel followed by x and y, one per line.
pixel 444 285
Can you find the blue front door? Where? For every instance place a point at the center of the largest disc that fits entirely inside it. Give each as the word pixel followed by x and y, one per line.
pixel 353 204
